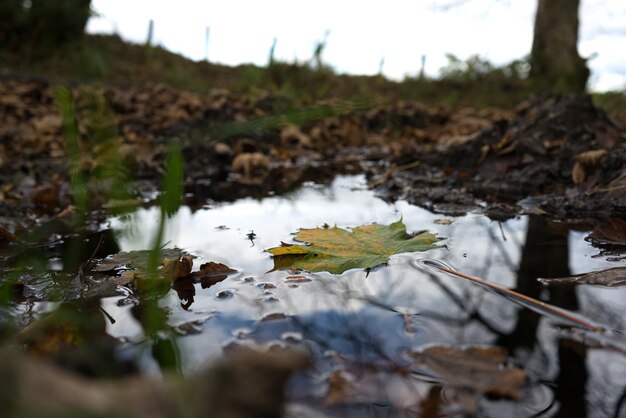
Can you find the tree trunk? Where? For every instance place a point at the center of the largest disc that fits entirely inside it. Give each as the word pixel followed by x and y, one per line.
pixel 555 63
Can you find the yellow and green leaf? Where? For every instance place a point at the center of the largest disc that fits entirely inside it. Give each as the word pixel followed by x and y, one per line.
pixel 336 250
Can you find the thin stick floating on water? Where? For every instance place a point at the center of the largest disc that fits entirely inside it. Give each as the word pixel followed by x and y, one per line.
pixel 524 300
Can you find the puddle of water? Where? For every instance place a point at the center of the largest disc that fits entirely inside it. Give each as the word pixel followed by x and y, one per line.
pixel 395 308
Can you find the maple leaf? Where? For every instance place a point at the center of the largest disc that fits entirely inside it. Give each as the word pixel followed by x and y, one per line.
pixel 336 250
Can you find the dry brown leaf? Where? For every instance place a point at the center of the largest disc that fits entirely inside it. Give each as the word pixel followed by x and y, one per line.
pixel 211 273
pixel 614 276
pixel 479 369
pixel 250 164
pixel 126 278
pixel 585 163
pixel 177 268
pixel 611 233
pixel 591 158
pixel 578 173
pixel 291 136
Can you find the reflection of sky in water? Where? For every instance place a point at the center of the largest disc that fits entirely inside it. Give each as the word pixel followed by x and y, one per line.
pixel 330 307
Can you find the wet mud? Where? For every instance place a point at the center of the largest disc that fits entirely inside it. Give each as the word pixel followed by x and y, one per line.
pixel 558 156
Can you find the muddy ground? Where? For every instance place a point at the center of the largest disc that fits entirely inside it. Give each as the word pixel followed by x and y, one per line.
pixel 556 155
pixel 559 157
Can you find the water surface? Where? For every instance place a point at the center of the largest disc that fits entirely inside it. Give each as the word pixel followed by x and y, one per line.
pixel 378 317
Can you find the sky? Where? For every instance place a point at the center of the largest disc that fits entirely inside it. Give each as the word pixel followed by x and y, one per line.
pixel 360 34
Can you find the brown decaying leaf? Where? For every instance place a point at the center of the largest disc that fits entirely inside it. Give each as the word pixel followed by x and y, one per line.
pixel 478 369
pixel 611 277
pixel 578 173
pixel 591 158
pixel 177 268
pixel 211 273
pixel 611 233
pixel 213 269
pixel 250 165
pixel 585 163
pixel 125 279
pixel 133 260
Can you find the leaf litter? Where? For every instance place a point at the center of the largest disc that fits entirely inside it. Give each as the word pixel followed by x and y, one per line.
pixel 177 268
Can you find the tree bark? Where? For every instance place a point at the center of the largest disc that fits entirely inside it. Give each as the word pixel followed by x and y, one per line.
pixel 555 63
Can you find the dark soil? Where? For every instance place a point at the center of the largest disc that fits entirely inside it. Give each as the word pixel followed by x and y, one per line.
pixel 557 156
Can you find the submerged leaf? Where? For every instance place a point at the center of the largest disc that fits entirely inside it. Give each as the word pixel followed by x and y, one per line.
pixel 336 250
pixel 614 276
pixel 135 260
pixel 479 369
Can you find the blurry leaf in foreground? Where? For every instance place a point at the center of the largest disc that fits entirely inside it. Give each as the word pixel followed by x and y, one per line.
pixel 336 250
pixel 478 369
pixel 614 276
pixel 611 233
pixel 134 260
pixel 175 266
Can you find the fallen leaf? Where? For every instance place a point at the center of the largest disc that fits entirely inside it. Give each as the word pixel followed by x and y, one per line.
pixel 578 173
pixel 591 158
pixel 614 276
pixel 291 136
pixel 586 162
pixel 611 233
pixel 125 279
pixel 478 369
pixel 214 269
pixel 177 268
pixel 443 221
pixel 336 250
pixel 134 260
pixel 211 273
pixel 251 165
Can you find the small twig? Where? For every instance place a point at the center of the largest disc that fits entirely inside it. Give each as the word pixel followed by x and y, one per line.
pixel 502 231
pixel 109 317
pixel 526 301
